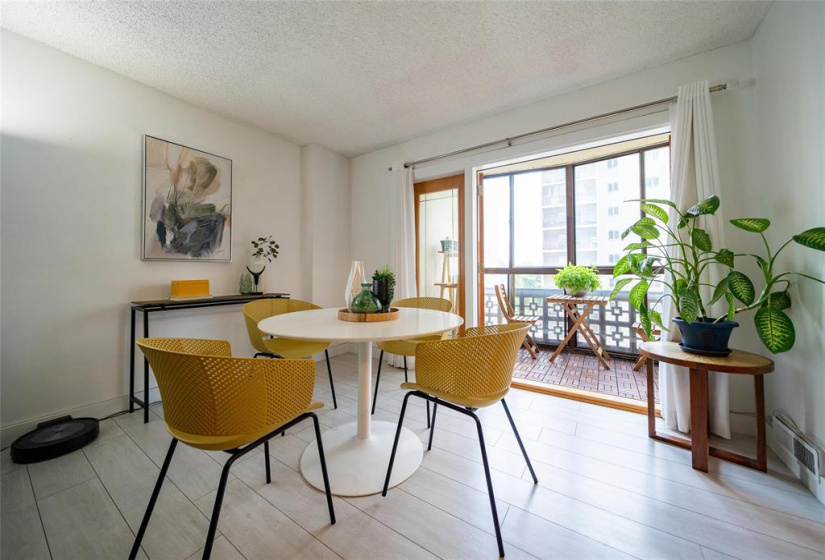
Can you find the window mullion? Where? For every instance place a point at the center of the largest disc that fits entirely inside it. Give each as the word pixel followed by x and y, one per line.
pixel 571 213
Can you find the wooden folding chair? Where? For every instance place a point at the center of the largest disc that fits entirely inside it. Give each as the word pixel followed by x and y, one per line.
pixel 640 332
pixel 507 311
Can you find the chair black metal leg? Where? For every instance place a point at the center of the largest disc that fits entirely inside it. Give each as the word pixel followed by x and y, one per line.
pixel 377 379
pixel 266 461
pixel 489 484
pixel 395 443
pixel 432 426
pixel 323 467
pixel 428 415
pixel 153 499
pixel 520 444
pixel 216 509
pixel 331 384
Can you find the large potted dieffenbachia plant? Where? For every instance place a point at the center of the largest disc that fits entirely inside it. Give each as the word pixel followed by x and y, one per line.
pixel 688 266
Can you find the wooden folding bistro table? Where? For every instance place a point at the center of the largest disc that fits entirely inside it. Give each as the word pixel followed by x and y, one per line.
pixel 738 362
pixel 570 304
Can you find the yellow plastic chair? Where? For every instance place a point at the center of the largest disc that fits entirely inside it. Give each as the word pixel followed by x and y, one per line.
pixel 407 347
pixel 465 374
pixel 256 311
pixel 215 402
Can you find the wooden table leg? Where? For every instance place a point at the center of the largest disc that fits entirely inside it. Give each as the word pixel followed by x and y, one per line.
pixel 589 336
pixel 700 442
pixel 651 401
pixel 761 449
pixel 567 338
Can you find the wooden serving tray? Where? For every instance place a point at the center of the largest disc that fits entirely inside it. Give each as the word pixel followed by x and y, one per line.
pixel 345 315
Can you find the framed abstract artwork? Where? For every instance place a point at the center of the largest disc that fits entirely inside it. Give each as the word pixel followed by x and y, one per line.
pixel 187 203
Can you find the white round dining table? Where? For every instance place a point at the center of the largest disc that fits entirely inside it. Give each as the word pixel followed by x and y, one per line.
pixel 358 453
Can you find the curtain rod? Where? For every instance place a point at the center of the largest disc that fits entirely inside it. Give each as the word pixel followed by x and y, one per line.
pixel 509 141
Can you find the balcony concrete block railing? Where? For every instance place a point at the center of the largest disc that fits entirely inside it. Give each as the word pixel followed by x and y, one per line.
pixel 612 323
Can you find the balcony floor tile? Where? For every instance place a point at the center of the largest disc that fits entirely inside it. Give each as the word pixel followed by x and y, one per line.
pixel 584 372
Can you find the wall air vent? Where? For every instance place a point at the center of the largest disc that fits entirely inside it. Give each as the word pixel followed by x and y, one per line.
pixel 790 438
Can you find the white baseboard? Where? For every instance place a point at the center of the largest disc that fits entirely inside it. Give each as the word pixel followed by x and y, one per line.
pixel 96 410
pixel 104 408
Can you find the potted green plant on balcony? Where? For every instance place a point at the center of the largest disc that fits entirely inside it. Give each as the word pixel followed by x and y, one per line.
pixel 577 280
pixel 688 273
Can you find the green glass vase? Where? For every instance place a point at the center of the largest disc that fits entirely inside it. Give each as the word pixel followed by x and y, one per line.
pixel 365 302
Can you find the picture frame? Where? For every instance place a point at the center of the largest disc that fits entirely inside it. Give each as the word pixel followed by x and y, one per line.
pixel 186 211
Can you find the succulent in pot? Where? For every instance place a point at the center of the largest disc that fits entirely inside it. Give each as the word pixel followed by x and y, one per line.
pixel 577 280
pixel 687 280
pixel 383 286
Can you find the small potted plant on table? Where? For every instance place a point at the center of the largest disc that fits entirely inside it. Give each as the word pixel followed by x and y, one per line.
pixel 577 280
pixel 688 276
pixel 383 286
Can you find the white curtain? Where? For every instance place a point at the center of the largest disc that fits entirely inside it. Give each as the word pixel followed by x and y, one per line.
pixel 403 242
pixel 694 177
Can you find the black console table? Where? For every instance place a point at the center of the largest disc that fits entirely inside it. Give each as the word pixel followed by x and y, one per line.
pixel 147 307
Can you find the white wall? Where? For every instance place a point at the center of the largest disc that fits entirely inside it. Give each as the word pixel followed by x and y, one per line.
pixel 733 115
pixel 790 108
pixel 71 210
pixel 326 224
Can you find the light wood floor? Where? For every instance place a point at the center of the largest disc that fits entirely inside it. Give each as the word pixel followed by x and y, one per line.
pixel 605 491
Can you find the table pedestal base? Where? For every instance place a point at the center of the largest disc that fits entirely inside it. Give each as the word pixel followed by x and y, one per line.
pixel 357 467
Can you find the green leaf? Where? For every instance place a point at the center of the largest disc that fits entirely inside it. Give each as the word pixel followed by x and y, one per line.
pixel 644 319
pixel 638 246
pixel 708 206
pixel 741 287
pixel 701 239
pixel 618 287
pixel 622 266
pixel 725 256
pixel 627 232
pixel 637 294
pixel 655 211
pixel 688 305
pixel 813 238
pixel 753 225
pixel 656 318
pixel 656 201
pixel 645 228
pixel 646 266
pixel 731 307
pixel 721 289
pixel 636 260
pixel 775 329
pixel 778 300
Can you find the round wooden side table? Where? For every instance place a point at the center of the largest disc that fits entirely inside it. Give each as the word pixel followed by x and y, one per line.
pixel 738 362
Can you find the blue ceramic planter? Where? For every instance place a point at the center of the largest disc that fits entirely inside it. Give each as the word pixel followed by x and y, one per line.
pixel 703 336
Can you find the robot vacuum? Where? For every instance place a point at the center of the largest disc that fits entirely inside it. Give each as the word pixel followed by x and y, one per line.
pixel 54 438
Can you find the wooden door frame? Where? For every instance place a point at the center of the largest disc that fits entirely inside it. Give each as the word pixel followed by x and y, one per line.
pixel 438 185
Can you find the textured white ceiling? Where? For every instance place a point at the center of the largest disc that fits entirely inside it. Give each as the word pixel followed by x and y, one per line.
pixel 355 76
